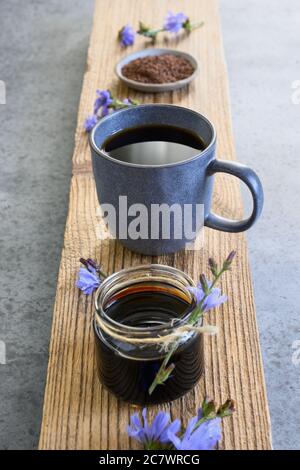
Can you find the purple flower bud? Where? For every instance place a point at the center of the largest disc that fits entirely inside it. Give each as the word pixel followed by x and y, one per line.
pixel 90 122
pixel 84 262
pixel 228 261
pixel 103 101
pixel 208 408
pixel 127 35
pixel 174 21
pixel 226 409
pixel 213 266
pixel 90 265
pixel 203 283
pixel 230 257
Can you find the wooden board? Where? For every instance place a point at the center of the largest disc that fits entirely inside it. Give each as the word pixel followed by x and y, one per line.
pixel 78 413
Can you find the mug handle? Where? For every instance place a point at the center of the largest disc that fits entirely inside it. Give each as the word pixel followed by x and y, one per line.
pixel 250 178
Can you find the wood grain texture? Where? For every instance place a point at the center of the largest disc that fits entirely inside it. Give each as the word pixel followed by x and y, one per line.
pixel 78 413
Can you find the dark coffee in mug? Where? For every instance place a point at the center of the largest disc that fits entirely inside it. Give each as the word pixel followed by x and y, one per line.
pixel 154 145
pixel 161 160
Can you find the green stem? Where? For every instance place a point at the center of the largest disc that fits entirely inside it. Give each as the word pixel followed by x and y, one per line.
pixel 197 25
pixel 158 377
pixel 118 104
pixel 196 315
pixel 212 416
pixel 151 33
pixel 202 420
pixel 189 27
pixel 198 312
pixel 102 273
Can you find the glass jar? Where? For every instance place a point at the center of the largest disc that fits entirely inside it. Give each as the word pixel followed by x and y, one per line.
pixel 137 309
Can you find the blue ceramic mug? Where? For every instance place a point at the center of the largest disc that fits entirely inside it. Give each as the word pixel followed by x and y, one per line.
pixel 189 182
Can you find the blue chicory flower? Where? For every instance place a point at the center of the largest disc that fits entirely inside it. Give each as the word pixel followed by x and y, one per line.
pixel 174 21
pixel 158 431
pixel 103 100
pixel 88 278
pixel 127 35
pixel 90 122
pixel 204 437
pixel 213 300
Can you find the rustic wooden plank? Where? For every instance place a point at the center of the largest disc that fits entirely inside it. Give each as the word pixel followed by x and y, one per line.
pixel 78 413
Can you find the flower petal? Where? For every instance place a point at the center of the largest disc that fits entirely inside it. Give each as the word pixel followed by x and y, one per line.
pixel 206 436
pixel 135 429
pixel 177 443
pixel 87 281
pixel 159 423
pixel 90 122
pixel 127 35
pixel 190 427
pixel 172 429
pixel 173 22
pixel 198 293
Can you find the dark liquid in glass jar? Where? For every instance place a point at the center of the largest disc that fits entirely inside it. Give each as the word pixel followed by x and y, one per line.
pixel 129 374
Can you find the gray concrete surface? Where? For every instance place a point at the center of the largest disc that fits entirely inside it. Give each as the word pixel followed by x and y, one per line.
pixel 261 41
pixel 43 55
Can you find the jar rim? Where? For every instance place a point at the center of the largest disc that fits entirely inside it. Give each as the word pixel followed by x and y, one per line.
pixel 140 268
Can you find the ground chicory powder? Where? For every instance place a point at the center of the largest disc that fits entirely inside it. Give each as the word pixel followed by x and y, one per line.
pixel 165 68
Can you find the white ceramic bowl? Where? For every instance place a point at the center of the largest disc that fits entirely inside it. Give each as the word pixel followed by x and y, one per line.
pixel 156 87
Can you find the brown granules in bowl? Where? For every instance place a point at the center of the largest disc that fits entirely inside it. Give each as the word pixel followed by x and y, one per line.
pixel 165 68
